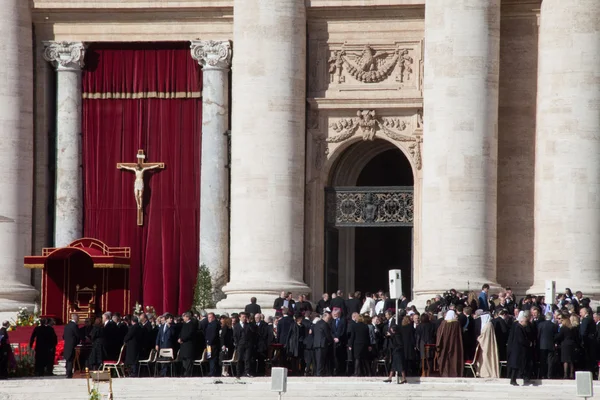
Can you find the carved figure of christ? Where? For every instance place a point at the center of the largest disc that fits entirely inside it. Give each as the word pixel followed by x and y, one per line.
pixel 138 186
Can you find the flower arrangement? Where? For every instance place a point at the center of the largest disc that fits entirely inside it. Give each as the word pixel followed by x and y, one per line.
pixel 95 394
pixel 58 351
pixel 24 362
pixel 139 309
pixel 25 318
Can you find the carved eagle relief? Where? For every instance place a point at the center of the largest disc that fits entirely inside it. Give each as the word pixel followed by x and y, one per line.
pixel 368 65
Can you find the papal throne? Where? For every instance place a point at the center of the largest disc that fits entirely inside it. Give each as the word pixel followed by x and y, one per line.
pixel 84 303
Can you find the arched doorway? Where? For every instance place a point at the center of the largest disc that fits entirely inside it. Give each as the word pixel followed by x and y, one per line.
pixel 369 223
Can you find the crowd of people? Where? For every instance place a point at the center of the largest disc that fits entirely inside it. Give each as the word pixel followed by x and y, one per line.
pixel 354 335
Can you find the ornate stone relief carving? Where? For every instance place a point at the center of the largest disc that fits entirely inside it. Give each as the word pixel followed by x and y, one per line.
pixel 212 54
pixel 369 125
pixel 370 65
pixel 65 55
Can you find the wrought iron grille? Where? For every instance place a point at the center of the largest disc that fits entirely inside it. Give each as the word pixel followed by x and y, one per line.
pixel 369 206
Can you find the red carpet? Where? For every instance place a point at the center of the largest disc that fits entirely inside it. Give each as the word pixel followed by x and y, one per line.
pixel 23 334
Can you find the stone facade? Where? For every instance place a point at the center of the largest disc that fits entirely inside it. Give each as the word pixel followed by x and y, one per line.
pixel 493 104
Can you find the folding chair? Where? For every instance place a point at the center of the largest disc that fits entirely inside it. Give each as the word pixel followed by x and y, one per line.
pixel 165 356
pixel 146 363
pixel 98 377
pixel 470 364
pixel 381 362
pixel 116 365
pixel 229 363
pixel 202 360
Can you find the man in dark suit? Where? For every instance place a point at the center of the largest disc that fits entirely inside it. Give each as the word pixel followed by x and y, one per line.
pixel 72 339
pixel 546 333
pixel 166 338
pixel 303 305
pixel 323 303
pixel 187 340
pixel 353 304
pixel 501 332
pixel 587 331
pixel 4 350
pixel 252 308
pixel 213 342
pixel 262 343
pixel 339 333
pixel 244 341
pixel 322 341
pixel 338 302
pixel 134 342
pixel 45 344
pixel 147 338
pixel 112 335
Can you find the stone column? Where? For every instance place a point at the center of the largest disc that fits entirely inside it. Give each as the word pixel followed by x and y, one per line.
pixel 267 151
pixel 567 154
pixel 215 58
pixel 67 58
pixel 462 39
pixel 16 156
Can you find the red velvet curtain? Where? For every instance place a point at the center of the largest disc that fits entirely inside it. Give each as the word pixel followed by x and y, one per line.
pixel 165 249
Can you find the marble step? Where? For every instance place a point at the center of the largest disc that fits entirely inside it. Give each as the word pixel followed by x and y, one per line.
pixel 298 388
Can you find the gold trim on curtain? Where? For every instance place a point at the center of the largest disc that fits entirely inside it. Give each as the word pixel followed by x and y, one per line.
pixel 144 95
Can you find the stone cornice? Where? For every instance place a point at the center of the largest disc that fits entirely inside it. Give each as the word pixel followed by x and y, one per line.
pixel 325 103
pixel 212 54
pixel 65 56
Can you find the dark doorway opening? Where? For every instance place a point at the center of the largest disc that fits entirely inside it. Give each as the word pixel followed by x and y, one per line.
pixel 377 250
pixel 359 257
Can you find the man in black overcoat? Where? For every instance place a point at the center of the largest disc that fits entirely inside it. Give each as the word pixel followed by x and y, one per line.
pixel 187 340
pixel 112 336
pixel 322 341
pixel 353 304
pixel 338 302
pixel 587 331
pixel 262 343
pixel 244 339
pixel 213 340
pixel 134 343
pixel 518 351
pixel 148 339
pixel 72 338
pixel 4 350
pixel 252 308
pixel 45 345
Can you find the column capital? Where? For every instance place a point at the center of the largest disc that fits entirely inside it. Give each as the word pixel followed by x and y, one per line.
pixel 65 56
pixel 212 54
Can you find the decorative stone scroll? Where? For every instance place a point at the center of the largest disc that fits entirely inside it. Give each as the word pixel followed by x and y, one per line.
pixel 369 206
pixel 65 55
pixel 369 125
pixel 370 65
pixel 212 54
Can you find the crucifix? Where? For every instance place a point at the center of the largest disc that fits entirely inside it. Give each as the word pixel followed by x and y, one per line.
pixel 138 187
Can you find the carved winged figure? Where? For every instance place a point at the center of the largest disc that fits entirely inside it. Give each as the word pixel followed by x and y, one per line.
pixel 369 59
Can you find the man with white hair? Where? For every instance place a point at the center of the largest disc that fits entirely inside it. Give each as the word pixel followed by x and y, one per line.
pixel 519 347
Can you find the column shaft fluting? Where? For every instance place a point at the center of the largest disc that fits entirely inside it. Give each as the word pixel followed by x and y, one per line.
pixel 462 40
pixel 268 150
pixel 567 157
pixel 67 58
pixel 16 156
pixel 215 58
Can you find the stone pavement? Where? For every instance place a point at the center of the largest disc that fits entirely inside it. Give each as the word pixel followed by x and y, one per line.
pixel 298 388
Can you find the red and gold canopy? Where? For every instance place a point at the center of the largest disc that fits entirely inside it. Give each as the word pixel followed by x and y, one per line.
pixel 102 255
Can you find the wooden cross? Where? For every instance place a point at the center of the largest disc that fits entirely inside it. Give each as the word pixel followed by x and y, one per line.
pixel 138 187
